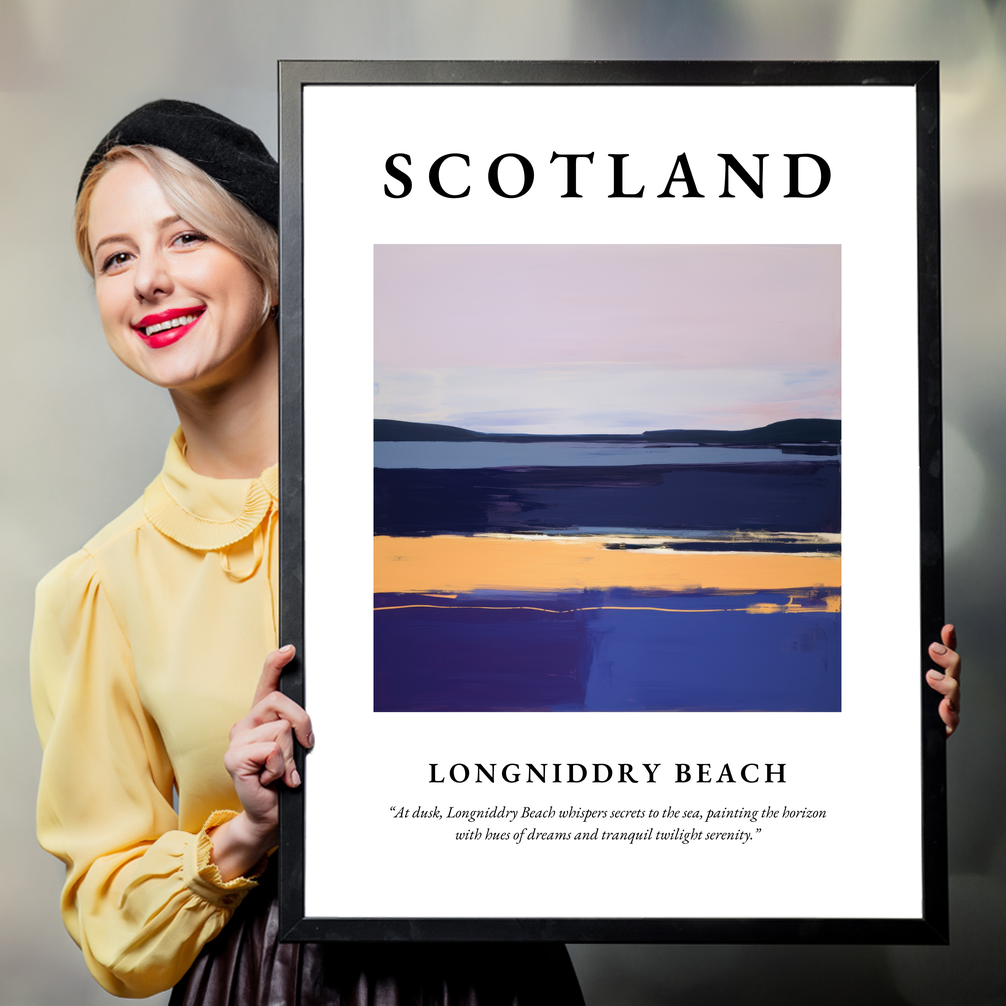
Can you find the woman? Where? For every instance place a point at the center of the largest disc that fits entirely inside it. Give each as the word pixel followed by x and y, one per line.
pixel 149 642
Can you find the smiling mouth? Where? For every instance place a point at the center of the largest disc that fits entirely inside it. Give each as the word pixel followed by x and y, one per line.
pixel 168 323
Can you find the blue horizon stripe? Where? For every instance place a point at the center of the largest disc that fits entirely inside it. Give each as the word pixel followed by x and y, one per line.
pixel 448 455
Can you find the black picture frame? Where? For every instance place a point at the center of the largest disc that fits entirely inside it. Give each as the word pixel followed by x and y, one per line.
pixel 931 927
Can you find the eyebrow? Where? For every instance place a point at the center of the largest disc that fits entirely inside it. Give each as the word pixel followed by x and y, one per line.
pixel 111 238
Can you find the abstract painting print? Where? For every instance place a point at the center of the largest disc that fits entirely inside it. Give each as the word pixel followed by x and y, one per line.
pixel 607 477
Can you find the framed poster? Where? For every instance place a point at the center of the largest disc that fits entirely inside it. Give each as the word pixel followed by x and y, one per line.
pixel 611 499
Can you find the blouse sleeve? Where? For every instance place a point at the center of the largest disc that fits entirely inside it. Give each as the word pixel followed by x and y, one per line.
pixel 141 898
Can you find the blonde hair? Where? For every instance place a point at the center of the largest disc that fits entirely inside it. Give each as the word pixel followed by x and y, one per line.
pixel 199 200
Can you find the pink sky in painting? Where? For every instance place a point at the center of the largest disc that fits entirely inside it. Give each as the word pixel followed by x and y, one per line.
pixel 538 338
pixel 693 306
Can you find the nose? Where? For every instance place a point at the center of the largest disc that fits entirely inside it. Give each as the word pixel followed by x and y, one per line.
pixel 152 276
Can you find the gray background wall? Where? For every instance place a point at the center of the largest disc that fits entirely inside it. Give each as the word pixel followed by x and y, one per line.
pixel 82 436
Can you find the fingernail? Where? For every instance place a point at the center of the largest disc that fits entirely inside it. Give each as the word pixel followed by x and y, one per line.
pixel 310 740
pixel 938 648
pixel 295 777
pixel 936 676
pixel 287 649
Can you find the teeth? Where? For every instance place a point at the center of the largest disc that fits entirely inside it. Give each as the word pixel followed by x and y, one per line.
pixel 173 323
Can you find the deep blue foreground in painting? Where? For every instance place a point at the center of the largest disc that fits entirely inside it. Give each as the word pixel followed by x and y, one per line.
pixel 487 651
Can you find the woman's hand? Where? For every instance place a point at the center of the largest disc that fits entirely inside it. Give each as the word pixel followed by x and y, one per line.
pixel 948 681
pixel 260 753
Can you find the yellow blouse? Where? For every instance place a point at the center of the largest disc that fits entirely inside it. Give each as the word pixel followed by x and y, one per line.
pixel 147 647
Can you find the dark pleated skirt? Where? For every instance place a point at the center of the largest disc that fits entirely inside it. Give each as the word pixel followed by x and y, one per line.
pixel 246 965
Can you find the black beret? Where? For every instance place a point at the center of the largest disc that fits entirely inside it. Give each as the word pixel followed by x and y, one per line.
pixel 231 154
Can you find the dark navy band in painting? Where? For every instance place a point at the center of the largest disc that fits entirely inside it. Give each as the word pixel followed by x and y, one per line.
pixel 796 495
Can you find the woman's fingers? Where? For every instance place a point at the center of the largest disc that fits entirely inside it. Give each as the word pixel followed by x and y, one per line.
pixel 271 671
pixel 278 735
pixel 947 680
pixel 270 703
pixel 277 706
pixel 949 688
pixel 944 654
pixel 274 766
pixel 949 636
pixel 261 749
pixel 260 761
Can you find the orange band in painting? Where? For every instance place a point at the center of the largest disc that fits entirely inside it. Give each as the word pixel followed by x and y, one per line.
pixel 454 563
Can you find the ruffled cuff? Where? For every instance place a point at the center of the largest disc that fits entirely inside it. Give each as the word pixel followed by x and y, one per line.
pixel 203 878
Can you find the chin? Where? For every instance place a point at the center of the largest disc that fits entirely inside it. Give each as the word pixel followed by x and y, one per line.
pixel 195 365
pixel 173 374
pixel 194 379
pixel 170 367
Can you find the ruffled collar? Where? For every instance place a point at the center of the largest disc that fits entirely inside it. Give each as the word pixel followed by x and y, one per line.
pixel 203 513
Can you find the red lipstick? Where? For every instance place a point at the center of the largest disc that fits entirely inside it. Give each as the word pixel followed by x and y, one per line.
pixel 165 333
